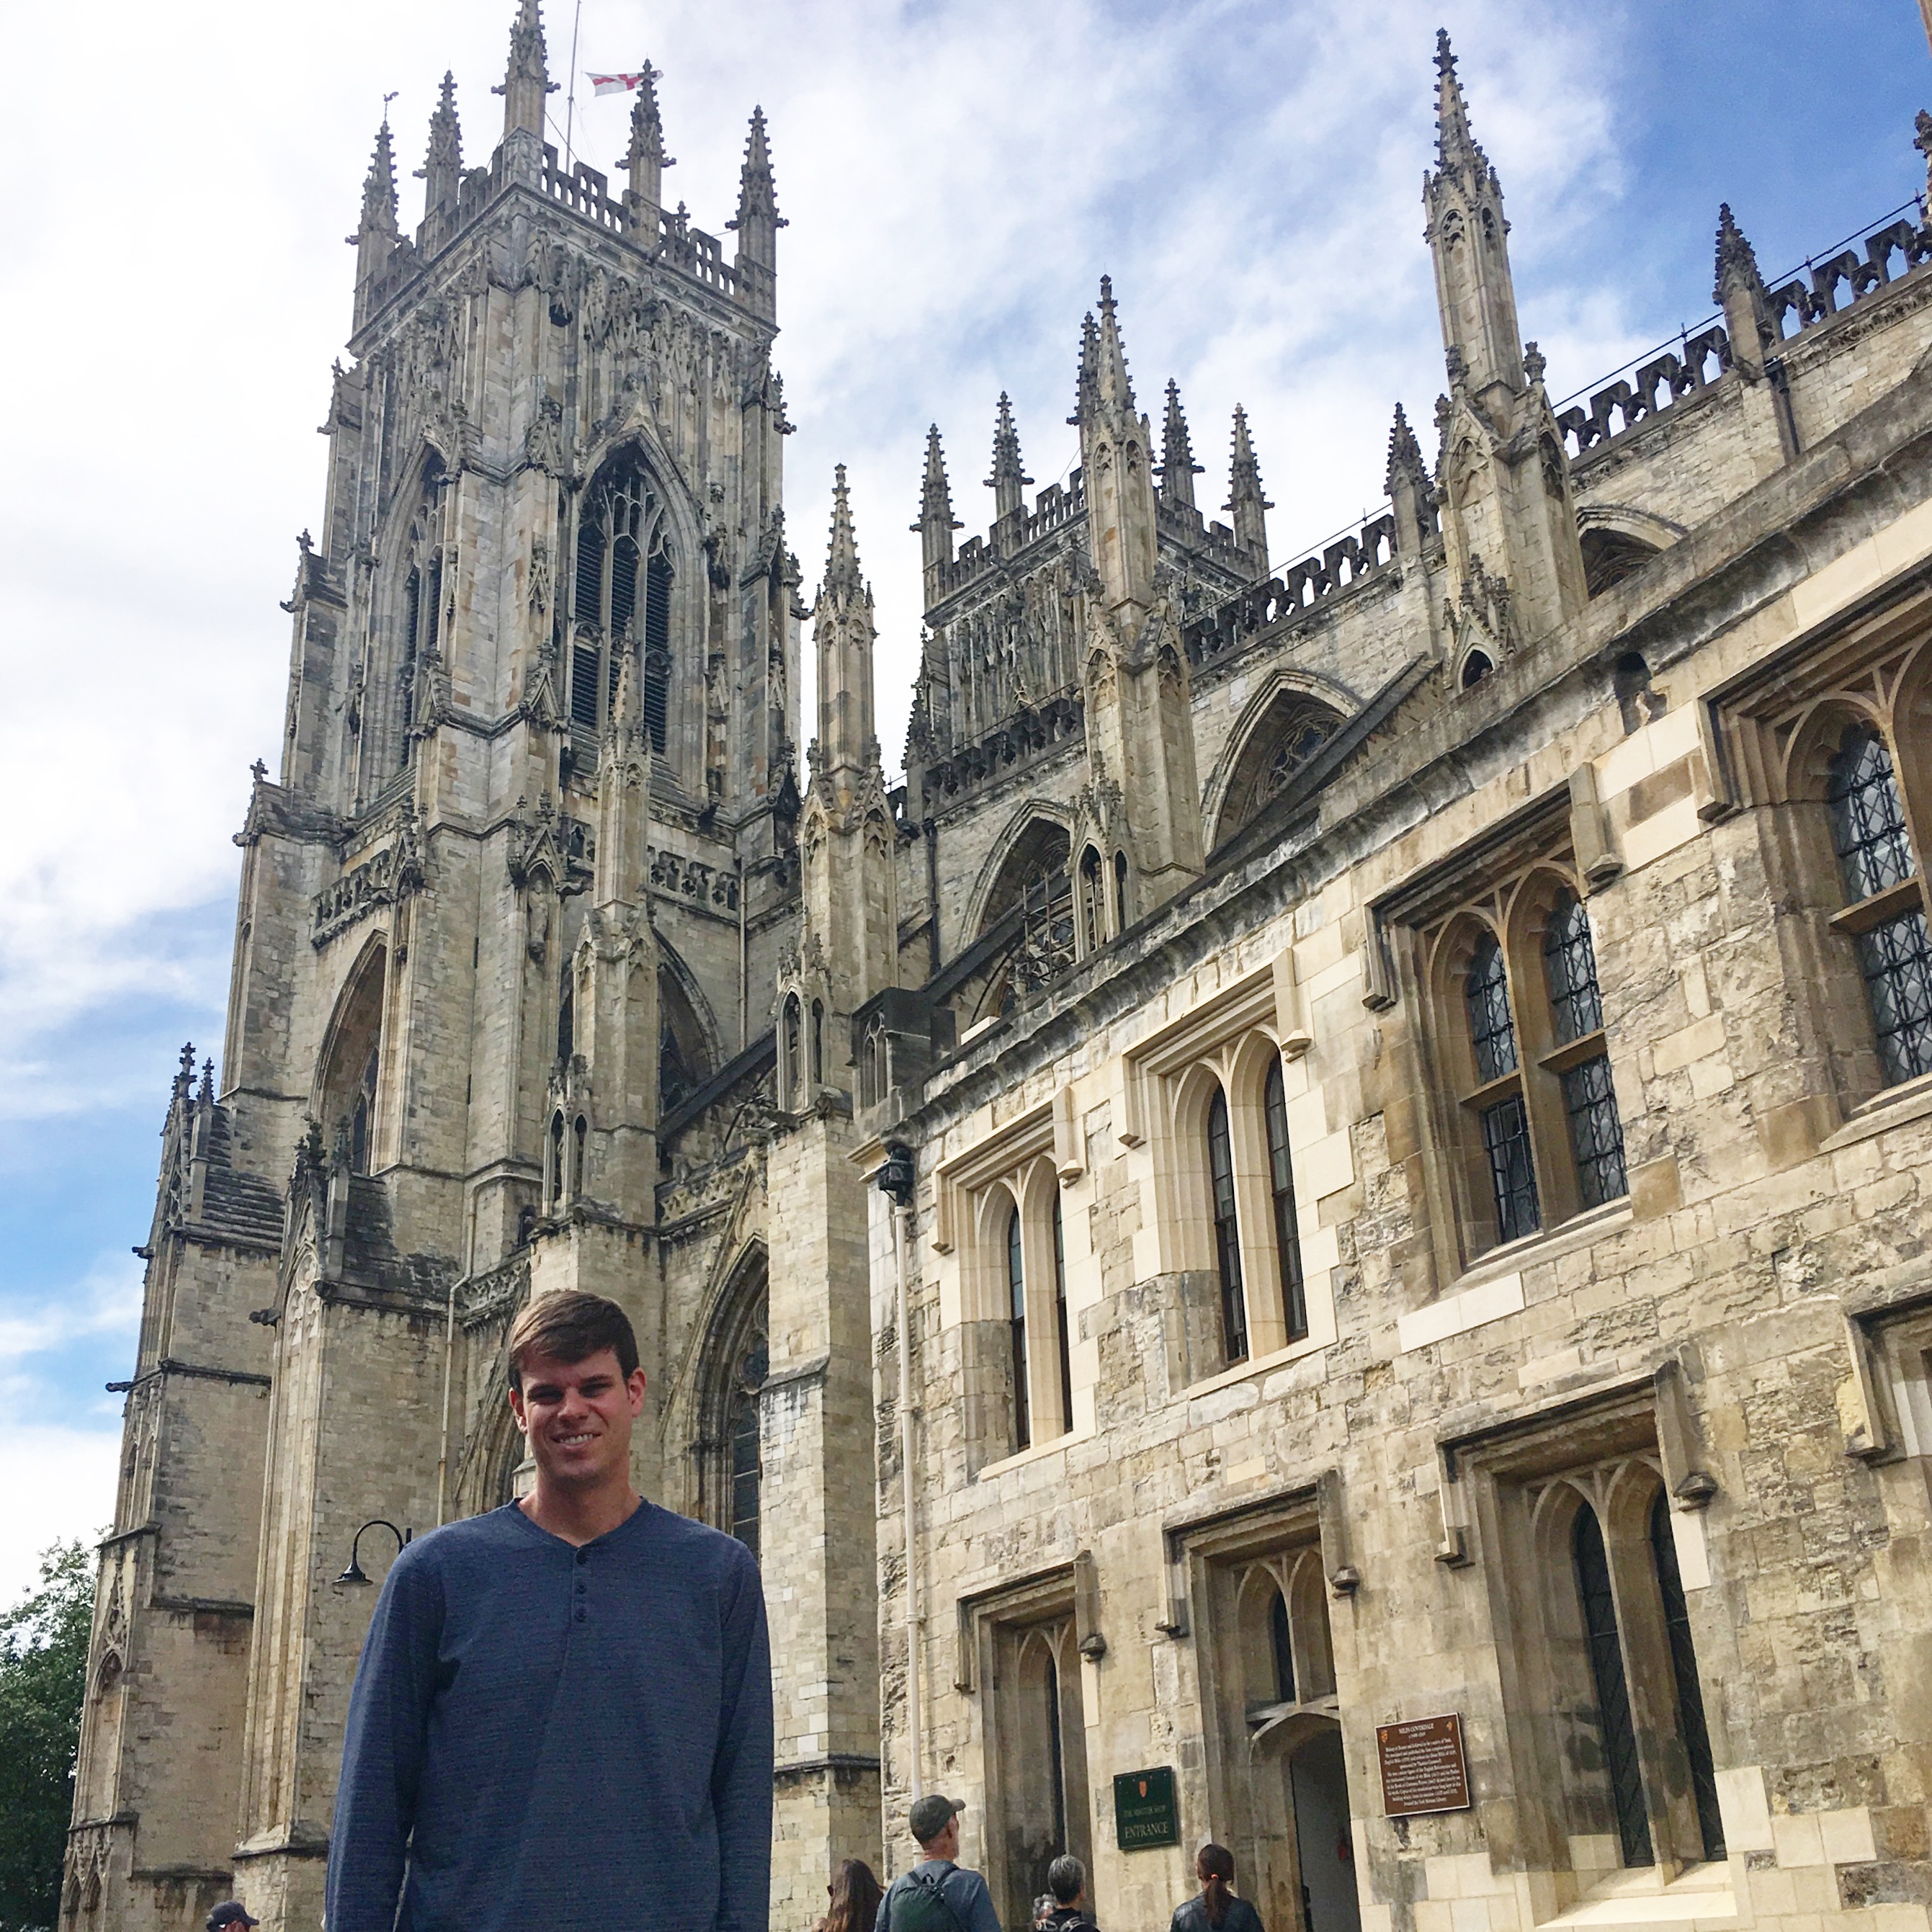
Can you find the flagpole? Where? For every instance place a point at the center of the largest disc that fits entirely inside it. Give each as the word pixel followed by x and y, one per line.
pixel 570 99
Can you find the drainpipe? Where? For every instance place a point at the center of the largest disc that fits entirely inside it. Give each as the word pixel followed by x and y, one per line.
pixel 896 1182
pixel 442 1447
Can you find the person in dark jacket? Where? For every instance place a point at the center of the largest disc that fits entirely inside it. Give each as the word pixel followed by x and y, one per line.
pixel 563 1712
pixel 1067 1887
pixel 1217 1909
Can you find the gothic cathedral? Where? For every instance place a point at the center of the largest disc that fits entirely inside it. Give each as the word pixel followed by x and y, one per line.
pixel 1311 1234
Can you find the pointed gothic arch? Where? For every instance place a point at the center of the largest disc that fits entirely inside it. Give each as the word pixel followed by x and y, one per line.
pixel 345 1097
pixel 732 1363
pixel 634 585
pixel 408 630
pixel 1285 724
pixel 1029 873
pixel 1616 540
pixel 688 1043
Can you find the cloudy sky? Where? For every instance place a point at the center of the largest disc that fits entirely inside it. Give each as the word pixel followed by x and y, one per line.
pixel 957 176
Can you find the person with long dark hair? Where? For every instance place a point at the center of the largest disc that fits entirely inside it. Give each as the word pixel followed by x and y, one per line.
pixel 1217 1909
pixel 855 1899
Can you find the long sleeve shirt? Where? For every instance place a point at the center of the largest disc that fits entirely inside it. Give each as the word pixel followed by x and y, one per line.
pixel 579 1738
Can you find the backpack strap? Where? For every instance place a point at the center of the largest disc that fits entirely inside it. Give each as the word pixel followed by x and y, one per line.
pixel 929 1884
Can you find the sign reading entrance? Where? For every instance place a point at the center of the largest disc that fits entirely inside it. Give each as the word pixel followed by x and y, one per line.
pixel 1146 1811
pixel 1424 1769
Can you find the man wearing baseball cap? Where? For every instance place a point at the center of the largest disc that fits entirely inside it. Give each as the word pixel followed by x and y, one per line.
pixel 231 1911
pixel 938 1894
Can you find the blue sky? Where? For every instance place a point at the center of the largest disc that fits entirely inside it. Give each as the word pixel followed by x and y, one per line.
pixel 957 177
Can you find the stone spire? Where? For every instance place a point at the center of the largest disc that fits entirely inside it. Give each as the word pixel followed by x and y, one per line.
pixel 1138 817
pixel 843 632
pixel 758 223
pixel 936 521
pixel 851 925
pixel 1007 480
pixel 1465 233
pixel 1178 468
pixel 1740 291
pixel 1245 499
pixel 1116 444
pixel 375 237
pixel 442 172
pixel 1406 480
pixel 526 82
pixel 646 159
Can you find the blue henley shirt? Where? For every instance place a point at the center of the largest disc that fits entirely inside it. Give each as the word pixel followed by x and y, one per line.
pixel 579 1738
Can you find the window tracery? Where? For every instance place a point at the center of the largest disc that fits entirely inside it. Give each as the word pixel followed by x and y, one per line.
pixel 623 558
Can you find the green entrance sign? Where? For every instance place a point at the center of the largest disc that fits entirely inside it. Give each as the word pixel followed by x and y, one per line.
pixel 1146 1812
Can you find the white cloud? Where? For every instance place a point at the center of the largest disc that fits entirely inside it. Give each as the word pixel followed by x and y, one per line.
pixel 58 1476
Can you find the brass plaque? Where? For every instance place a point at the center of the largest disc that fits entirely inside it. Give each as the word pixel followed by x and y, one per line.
pixel 1424 1769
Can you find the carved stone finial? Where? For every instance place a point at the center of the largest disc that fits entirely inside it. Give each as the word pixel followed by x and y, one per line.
pixel 258 771
pixel 1533 363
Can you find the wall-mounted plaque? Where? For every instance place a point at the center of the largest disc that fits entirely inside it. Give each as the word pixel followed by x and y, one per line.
pixel 1146 1812
pixel 1424 1769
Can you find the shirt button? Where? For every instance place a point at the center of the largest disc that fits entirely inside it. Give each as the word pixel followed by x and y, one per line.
pixel 582 1614
pixel 583 1589
pixel 584 1556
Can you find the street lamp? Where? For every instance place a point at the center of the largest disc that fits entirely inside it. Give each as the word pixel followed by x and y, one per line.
pixel 354 1574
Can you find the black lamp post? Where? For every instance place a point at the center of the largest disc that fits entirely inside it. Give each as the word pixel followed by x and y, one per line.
pixel 354 1574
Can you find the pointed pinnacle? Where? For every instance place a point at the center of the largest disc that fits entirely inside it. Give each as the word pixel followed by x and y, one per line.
pixel 1085 381
pixel 1007 462
pixel 935 495
pixel 1176 446
pixel 445 133
pixel 1405 453
pixel 647 123
pixel 1735 255
pixel 757 191
pixel 1246 480
pixel 842 557
pixel 378 190
pixel 1111 383
pixel 1454 142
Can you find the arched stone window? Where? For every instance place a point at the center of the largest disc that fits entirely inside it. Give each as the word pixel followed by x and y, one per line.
pixel 1016 1317
pixel 791 1055
pixel 1092 903
pixel 1033 890
pixel 1227 1230
pixel 1873 844
pixel 1288 733
pixel 684 1055
pixel 1531 1107
pixel 348 1082
pixel 817 1044
pixel 417 623
pixel 736 1360
pixel 1476 667
pixel 1281 1185
pixel 623 560
pixel 1121 922
pixel 1062 1334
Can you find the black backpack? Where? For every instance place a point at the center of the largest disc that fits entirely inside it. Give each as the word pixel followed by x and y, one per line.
pixel 921 1906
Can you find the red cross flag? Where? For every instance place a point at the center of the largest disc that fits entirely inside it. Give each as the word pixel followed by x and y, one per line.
pixel 601 84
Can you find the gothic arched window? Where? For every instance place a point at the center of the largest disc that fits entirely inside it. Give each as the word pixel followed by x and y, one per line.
pixel 1120 920
pixel 1505 1120
pixel 742 1445
pixel 622 551
pixel 1062 1333
pixel 736 1360
pixel 1577 1011
pixel 1092 906
pixel 1289 732
pixel 1281 1183
pixel 1875 856
pixel 1227 1231
pixel 1017 1331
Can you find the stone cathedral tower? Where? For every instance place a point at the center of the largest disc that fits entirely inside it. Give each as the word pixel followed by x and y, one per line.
pixel 511 918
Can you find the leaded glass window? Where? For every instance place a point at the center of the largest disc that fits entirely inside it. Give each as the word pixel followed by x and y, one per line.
pixel 1060 1318
pixel 1227 1231
pixel 1607 1670
pixel 1512 1173
pixel 747 1463
pixel 1576 1002
pixel 1691 1727
pixel 1017 1329
pixel 1596 1134
pixel 1492 1032
pixel 1281 1182
pixel 1896 960
pixel 1874 848
pixel 1868 816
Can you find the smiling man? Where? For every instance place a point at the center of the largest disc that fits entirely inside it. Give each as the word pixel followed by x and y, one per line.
pixel 563 1711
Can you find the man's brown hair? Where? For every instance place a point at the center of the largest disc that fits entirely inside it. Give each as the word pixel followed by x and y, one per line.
pixel 571 1326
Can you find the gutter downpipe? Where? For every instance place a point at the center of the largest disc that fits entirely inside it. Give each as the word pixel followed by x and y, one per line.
pixel 900 1215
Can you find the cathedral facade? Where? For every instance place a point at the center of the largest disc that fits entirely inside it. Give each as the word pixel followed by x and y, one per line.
pixel 1311 1234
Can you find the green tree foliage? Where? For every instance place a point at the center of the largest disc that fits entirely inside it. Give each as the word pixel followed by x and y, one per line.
pixel 42 1674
